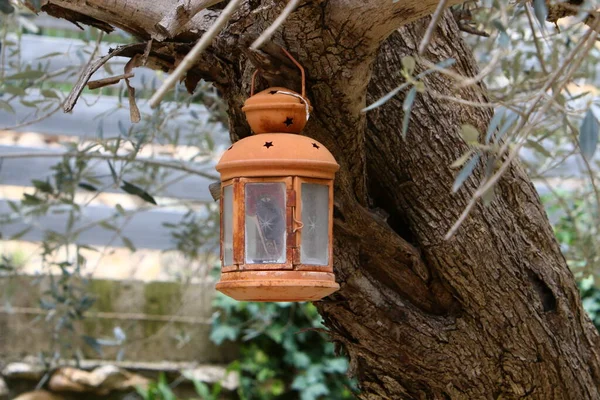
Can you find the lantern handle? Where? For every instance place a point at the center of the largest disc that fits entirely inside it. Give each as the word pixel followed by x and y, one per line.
pixel 302 74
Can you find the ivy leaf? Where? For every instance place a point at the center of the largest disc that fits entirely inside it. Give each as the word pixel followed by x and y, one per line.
pixel 222 333
pixel 137 191
pixel 465 173
pixel 588 135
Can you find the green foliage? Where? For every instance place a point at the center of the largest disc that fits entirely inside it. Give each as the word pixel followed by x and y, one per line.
pixel 284 352
pixel 591 300
pixel 578 236
pixel 161 390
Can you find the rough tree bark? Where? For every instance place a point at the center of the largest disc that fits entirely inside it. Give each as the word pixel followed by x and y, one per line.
pixel 492 313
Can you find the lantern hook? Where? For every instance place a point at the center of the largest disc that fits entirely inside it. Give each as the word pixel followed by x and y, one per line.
pixel 302 74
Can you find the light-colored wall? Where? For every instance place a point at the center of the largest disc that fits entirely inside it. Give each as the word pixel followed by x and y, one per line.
pixel 141 309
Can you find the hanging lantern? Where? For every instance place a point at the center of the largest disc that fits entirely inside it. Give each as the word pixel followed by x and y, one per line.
pixel 277 205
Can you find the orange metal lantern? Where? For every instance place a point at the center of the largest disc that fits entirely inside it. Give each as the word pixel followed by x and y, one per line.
pixel 277 205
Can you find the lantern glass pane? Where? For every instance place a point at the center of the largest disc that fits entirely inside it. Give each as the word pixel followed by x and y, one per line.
pixel 315 217
pixel 228 225
pixel 265 223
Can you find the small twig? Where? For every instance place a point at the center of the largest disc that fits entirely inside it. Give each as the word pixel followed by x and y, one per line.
pixel 87 74
pixel 496 59
pixel 439 11
pixel 270 31
pixel 473 31
pixel 134 111
pixel 157 163
pixel 147 53
pixel 572 61
pixel 193 55
pixel 33 121
pixel 111 80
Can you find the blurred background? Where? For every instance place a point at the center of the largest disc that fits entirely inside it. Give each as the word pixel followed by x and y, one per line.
pixel 109 236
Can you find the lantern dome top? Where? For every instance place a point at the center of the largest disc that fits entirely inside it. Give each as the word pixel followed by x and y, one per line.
pixel 277 154
pixel 277 110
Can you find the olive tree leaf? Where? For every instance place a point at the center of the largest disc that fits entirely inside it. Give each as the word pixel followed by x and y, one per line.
pixel 87 186
pixel 30 74
pixel 93 343
pixel 22 233
pixel 441 65
pixel 498 116
pixel 462 159
pixel 137 191
pixel 469 133
pixel 128 243
pixel 588 135
pixel 113 173
pixel 407 107
pixel 42 186
pixel 4 105
pixel 408 63
pixel 465 173
pixel 541 11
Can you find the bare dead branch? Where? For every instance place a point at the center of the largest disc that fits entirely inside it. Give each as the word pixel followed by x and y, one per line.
pixel 111 80
pixel 193 55
pixel 87 74
pixel 134 111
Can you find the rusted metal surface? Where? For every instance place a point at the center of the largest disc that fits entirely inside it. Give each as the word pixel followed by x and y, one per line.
pixel 277 154
pixel 276 273
pixel 277 109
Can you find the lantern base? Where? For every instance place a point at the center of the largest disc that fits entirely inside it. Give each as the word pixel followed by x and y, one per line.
pixel 277 285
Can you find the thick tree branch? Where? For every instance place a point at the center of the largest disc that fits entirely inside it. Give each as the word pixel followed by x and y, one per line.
pixel 379 18
pixel 182 13
pixel 492 313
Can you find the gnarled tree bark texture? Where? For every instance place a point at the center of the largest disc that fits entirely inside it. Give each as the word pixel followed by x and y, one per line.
pixel 494 312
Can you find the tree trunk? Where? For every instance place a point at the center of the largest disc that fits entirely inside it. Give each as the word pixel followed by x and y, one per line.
pixel 494 312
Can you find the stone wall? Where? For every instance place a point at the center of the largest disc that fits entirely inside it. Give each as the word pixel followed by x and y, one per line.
pixel 162 321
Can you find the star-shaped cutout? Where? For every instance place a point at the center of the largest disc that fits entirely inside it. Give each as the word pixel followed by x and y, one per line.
pixel 316 146
pixel 288 121
pixel 268 144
